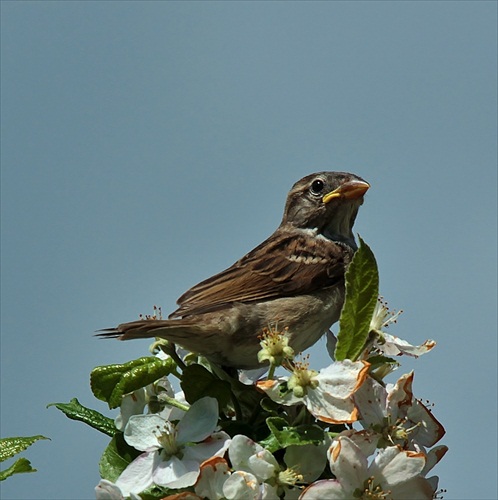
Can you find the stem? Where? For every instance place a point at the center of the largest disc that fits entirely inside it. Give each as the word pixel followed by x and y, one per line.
pixel 179 361
pixel 174 402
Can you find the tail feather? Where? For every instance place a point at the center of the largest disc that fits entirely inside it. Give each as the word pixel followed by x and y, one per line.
pixel 173 330
pixel 204 338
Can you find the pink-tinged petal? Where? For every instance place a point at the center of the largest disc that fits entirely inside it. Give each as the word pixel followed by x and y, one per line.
pixel 328 409
pixel 331 400
pixel 176 473
pixel 400 396
pixel 366 440
pixel 433 458
pixel 429 430
pixel 348 463
pixel 371 399
pixel 241 486
pixel 131 404
pixel 272 390
pixel 141 431
pixel 239 451
pixel 106 490
pixel 214 473
pixel 395 346
pixel 215 445
pixel 417 488
pixel 137 477
pixel 434 482
pixel 250 377
pixel 325 489
pixel 394 466
pixel 199 422
pixel 263 465
pixel 267 492
pixel 342 378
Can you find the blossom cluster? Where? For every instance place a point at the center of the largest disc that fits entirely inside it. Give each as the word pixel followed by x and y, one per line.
pixel 337 433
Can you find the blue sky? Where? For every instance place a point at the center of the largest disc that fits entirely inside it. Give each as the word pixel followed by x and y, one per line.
pixel 148 145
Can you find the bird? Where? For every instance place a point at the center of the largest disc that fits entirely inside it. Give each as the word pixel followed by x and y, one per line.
pixel 295 278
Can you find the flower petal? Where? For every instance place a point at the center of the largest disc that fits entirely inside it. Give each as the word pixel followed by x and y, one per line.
pixel 215 445
pixel 371 398
pixel 137 477
pixel 241 486
pixel 342 378
pixel 400 396
pixel 433 457
pixel 394 346
pixel 429 430
pixel 199 422
pixel 348 463
pixel 263 465
pixel 366 440
pixel 239 451
pixel 326 408
pixel 140 431
pixel 213 474
pixel 106 490
pixel 176 473
pixel 417 488
pixel 394 466
pixel 326 488
pixel 131 404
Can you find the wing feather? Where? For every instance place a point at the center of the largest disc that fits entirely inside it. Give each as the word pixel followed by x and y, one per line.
pixel 288 263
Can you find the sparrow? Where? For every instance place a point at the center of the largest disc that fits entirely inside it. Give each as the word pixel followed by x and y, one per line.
pixel 295 279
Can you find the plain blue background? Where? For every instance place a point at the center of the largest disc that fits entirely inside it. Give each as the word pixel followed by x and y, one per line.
pixel 148 145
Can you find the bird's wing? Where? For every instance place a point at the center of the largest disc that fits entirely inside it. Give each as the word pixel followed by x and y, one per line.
pixel 288 263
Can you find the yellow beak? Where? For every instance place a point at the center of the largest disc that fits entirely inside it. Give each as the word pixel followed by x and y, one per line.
pixel 349 191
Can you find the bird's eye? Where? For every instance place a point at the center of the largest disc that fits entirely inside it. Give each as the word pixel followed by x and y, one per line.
pixel 317 186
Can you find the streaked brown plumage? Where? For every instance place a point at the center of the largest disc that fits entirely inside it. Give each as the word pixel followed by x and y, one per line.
pixel 295 278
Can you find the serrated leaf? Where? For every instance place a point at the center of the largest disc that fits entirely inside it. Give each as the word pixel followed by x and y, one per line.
pixel 110 383
pixel 76 411
pixel 18 467
pixel 14 445
pixel 116 457
pixel 198 382
pixel 362 290
pixel 282 435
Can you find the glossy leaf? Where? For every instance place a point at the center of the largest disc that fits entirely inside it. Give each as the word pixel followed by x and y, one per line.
pixel 110 383
pixel 14 445
pixel 76 411
pixel 198 382
pixel 116 457
pixel 362 290
pixel 282 435
pixel 18 467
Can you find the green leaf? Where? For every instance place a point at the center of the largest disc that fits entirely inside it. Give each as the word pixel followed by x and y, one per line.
pixel 116 457
pixel 110 383
pixel 362 290
pixel 158 493
pixel 198 382
pixel 76 411
pixel 379 360
pixel 18 467
pixel 12 446
pixel 282 435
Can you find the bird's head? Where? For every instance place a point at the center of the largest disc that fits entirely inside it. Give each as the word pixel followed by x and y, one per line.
pixel 326 202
